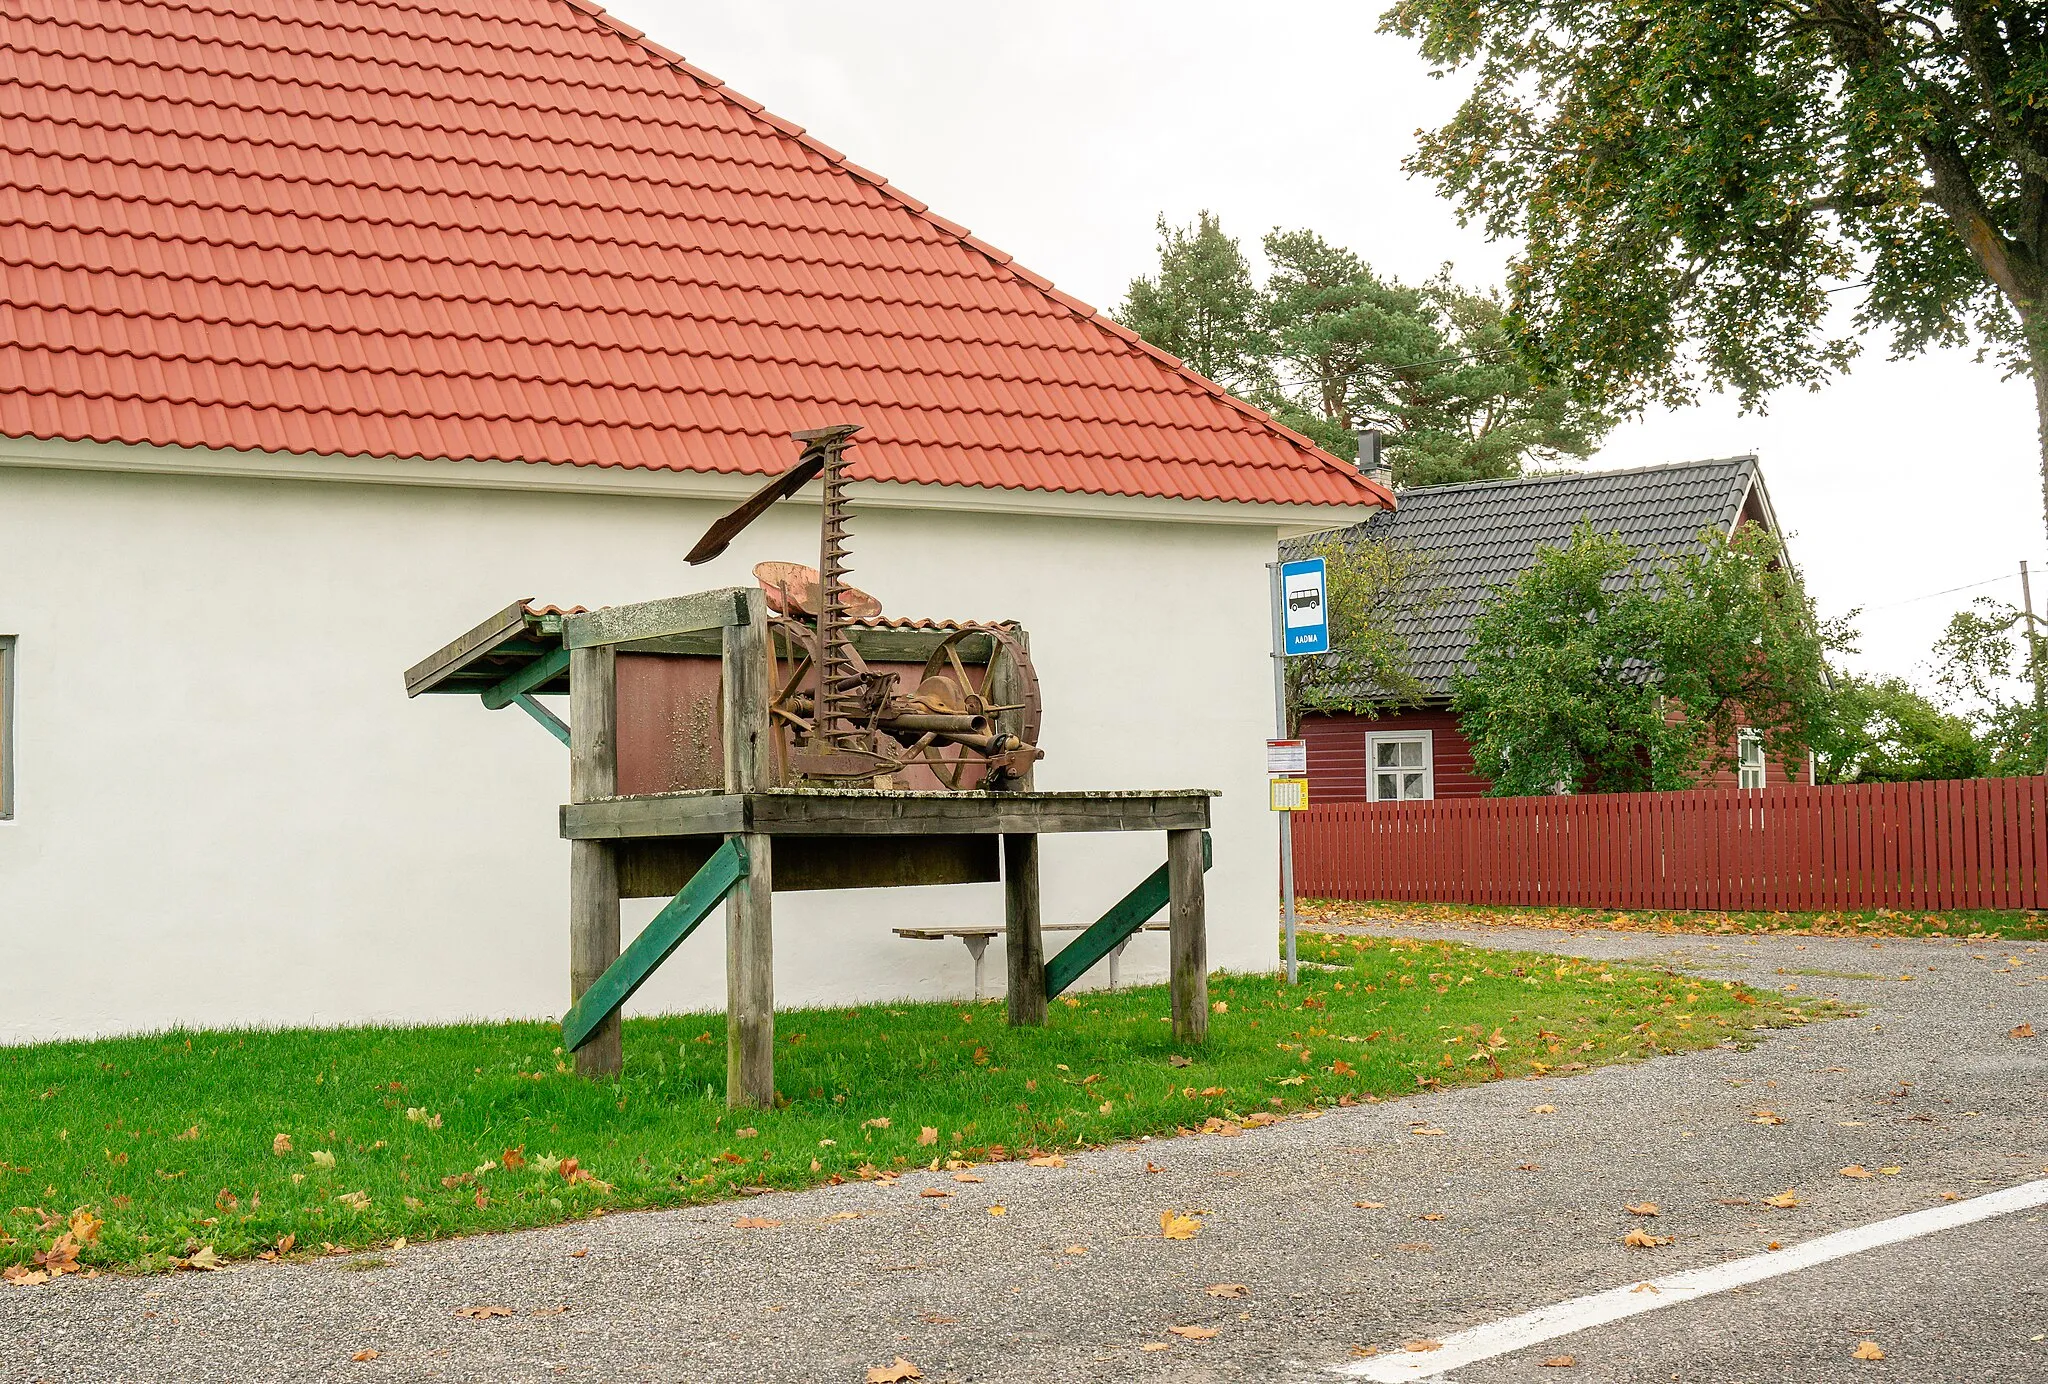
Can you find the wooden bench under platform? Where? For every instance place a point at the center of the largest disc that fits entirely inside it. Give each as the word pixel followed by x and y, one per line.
pixel 977 936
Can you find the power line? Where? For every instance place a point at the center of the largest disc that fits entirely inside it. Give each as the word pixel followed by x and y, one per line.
pixel 1967 586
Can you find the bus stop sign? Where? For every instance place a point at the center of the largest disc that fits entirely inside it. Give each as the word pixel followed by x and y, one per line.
pixel 1304 588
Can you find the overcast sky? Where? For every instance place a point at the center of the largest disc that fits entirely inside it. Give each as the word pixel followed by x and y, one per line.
pixel 1060 131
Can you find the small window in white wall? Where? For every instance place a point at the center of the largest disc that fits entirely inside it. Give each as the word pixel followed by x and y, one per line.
pixel 6 726
pixel 1399 766
pixel 1749 758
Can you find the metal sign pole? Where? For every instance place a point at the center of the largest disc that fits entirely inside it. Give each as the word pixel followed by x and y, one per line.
pixel 1285 819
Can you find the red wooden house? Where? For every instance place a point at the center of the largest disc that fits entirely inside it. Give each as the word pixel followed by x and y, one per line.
pixel 1482 535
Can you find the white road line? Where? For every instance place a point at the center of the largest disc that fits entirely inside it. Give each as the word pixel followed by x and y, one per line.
pixel 1564 1318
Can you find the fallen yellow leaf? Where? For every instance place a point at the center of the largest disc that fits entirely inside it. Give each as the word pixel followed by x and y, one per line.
pixel 894 1374
pixel 1640 1238
pixel 1419 1346
pixel 1151 1346
pixel 966 1177
pixel 1193 1333
pixel 1559 1362
pixel 362 1355
pixel 1543 1110
pixel 1892 1171
pixel 1075 1249
pixel 481 1313
pixel 282 1144
pixel 1641 1208
pixel 1046 1160
pixel 1867 1350
pixel 934 1192
pixel 1174 1226
pixel 1767 1117
pixel 927 1136
pixel 2023 1031
pixel 995 1211
pixel 1857 1170
pixel 1227 1290
pixel 1783 1201
pixel 1370 1205
pixel 755 1223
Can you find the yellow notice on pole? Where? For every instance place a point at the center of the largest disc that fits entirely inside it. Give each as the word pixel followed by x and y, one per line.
pixel 1290 794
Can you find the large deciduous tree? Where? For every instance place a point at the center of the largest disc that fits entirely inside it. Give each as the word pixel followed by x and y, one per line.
pixel 1692 179
pixel 1601 669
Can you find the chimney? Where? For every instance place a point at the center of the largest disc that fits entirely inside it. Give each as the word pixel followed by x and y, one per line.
pixel 1369 463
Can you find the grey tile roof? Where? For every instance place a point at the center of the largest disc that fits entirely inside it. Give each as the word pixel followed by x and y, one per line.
pixel 1483 534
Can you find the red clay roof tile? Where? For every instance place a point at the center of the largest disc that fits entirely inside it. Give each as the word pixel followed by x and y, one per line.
pixel 525 231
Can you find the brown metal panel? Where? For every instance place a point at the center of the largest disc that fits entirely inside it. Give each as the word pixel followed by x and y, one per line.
pixel 669 732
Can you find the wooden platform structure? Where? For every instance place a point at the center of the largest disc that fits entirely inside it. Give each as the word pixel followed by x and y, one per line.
pixel 753 834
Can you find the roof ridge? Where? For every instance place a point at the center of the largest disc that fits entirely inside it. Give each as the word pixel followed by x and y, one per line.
pixel 1558 476
pixel 1004 261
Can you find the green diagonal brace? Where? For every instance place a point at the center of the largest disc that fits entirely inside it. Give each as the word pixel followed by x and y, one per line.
pixel 1113 928
pixel 508 690
pixel 677 919
pixel 549 722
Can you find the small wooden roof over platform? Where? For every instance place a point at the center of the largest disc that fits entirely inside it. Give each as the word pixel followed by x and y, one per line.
pixel 521 650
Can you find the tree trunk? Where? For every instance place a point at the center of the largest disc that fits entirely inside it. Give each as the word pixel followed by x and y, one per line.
pixel 2037 362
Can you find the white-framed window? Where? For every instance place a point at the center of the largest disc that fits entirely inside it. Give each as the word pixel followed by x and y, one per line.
pixel 1400 766
pixel 1749 758
pixel 6 727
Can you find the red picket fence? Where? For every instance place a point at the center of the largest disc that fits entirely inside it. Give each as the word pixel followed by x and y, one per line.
pixel 1965 843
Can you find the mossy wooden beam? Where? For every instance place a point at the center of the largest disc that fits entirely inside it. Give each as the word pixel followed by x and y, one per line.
pixel 1112 929
pixel 676 921
pixel 702 610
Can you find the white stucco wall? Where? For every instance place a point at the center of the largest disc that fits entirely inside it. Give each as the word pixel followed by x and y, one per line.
pixel 227 811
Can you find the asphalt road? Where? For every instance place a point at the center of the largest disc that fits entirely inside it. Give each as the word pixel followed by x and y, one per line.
pixel 1926 1080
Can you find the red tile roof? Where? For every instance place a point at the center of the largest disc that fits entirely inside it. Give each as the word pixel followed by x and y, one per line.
pixel 520 230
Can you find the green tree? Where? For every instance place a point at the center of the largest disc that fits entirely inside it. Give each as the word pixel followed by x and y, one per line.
pixel 1372 587
pixel 1202 305
pixel 1883 730
pixel 1602 669
pixel 1985 664
pixel 1327 346
pixel 1691 181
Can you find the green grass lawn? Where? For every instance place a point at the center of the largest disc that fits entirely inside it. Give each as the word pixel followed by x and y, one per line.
pixel 153 1149
pixel 2018 925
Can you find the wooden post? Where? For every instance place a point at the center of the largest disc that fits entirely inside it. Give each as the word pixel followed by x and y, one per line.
pixel 749 909
pixel 1023 937
pixel 1188 936
pixel 1023 942
pixel 750 981
pixel 593 871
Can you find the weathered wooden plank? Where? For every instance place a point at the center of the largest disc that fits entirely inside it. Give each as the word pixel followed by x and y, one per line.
pixel 450 657
pixel 674 814
pixel 1125 918
pixel 701 610
pixel 749 677
pixel 750 981
pixel 655 944
pixel 593 874
pixel 1189 942
pixel 509 689
pixel 883 814
pixel 1023 941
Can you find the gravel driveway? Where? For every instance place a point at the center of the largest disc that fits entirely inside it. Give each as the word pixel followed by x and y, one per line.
pixel 1504 1210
